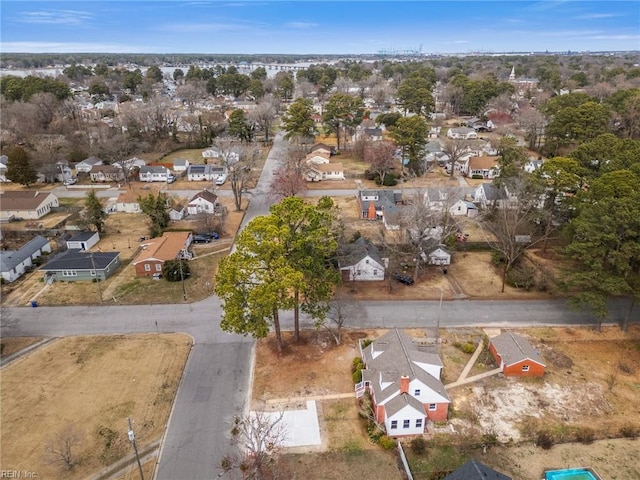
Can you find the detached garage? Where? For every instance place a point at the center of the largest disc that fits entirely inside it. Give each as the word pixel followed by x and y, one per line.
pixel 515 356
pixel 83 241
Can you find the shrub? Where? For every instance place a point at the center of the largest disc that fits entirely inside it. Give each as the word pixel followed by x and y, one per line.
pixel 497 258
pixel 629 431
pixel 366 342
pixel 357 376
pixel 585 435
pixel 418 445
pixel 387 442
pixel 390 180
pixel 477 176
pixel 356 364
pixel 522 276
pixel 545 440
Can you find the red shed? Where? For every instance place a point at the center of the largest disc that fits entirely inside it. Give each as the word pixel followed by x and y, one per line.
pixel 515 356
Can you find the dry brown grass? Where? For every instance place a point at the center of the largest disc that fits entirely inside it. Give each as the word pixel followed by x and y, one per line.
pixel 11 345
pixel 93 383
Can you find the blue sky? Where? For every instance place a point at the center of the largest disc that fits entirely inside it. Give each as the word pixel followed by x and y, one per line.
pixel 338 27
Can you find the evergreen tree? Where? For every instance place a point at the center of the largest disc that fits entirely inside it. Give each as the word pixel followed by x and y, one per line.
pixel 19 167
pixel 94 214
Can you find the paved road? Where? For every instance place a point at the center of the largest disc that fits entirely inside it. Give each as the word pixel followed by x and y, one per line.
pixel 216 380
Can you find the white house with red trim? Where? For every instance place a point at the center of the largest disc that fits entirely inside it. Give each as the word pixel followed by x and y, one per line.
pixel 403 379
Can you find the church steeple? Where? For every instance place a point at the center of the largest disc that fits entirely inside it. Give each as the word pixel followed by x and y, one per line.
pixel 512 75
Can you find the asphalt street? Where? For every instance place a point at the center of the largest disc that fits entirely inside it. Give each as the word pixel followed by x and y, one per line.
pixel 216 382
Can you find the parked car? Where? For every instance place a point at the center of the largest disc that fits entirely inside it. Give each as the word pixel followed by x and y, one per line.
pixel 213 235
pixel 71 181
pixel 171 178
pixel 202 238
pixel 402 278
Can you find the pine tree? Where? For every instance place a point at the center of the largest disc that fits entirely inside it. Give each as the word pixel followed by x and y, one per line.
pixel 94 214
pixel 19 167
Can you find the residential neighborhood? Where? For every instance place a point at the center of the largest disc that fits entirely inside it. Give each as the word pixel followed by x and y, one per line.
pixel 424 257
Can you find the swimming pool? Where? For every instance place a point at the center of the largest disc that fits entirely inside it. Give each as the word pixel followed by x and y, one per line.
pixel 571 474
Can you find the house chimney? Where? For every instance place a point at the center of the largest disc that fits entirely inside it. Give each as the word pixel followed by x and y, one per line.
pixel 371 214
pixel 404 384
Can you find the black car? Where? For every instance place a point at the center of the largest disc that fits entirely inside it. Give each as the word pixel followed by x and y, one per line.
pixel 202 239
pixel 211 235
pixel 402 278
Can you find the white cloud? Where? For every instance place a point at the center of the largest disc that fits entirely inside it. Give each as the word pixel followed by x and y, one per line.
pixel 301 25
pixel 596 16
pixel 55 17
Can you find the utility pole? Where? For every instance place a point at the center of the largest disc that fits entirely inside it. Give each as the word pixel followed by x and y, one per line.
pixel 132 439
pixel 95 272
pixel 184 292
pixel 438 317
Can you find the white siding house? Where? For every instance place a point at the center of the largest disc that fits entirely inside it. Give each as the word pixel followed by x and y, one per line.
pixel 154 173
pixel 361 260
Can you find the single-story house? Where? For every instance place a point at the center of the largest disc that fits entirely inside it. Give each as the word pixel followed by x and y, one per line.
pixel 322 148
pixel 77 265
pixel 215 153
pixel 14 263
pixel 516 356
pixel 155 252
pixel 473 470
pixel 483 167
pixel 325 171
pixel 318 157
pixel 381 205
pixel 127 202
pixel 106 173
pixel 83 240
pixel 361 260
pixel 154 173
pixel 463 208
pixel 177 212
pixel 180 165
pixel 403 379
pixel 87 164
pixel 197 173
pixel 202 202
pixel 26 204
pixel 465 133
pixel 439 256
pixel 55 172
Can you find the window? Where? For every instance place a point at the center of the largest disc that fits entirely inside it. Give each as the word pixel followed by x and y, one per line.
pixel 394 424
pixel 367 261
pixel 418 423
pixel 406 423
pixel 433 407
pixel 147 267
pixel 158 267
pixel 375 271
pixel 525 368
pixel 416 392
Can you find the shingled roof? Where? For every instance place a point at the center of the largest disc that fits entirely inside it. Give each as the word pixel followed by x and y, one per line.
pixel 514 348
pixel 352 253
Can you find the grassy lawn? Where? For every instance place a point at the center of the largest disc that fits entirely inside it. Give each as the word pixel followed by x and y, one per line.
pixel 91 384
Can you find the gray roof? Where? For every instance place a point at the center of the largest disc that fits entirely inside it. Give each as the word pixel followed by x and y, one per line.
pixel 91 161
pixel 492 193
pixel 11 258
pixel 205 195
pixel 514 348
pixel 153 169
pixel 398 402
pixel 387 199
pixel 473 470
pixel 81 236
pixel 399 357
pixel 352 253
pixel 433 147
pixel 181 162
pixel 74 259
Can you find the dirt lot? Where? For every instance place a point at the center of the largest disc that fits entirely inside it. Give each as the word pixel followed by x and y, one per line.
pixel 578 360
pixel 94 384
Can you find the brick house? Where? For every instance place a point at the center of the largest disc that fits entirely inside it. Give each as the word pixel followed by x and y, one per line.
pixel 156 251
pixel 403 379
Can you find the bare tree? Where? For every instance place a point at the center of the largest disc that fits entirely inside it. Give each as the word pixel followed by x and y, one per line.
pixel 259 437
pixel 190 93
pixel 455 148
pixel 239 160
pixel 511 223
pixel 264 114
pixel 340 309
pixel 427 219
pixel 381 158
pixel 61 448
pixel 289 177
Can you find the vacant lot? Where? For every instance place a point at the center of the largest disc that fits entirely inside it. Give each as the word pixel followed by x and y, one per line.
pixel 572 400
pixel 91 385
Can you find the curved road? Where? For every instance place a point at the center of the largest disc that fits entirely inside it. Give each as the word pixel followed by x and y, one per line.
pixel 216 380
